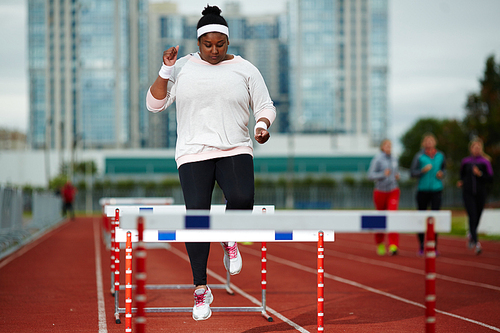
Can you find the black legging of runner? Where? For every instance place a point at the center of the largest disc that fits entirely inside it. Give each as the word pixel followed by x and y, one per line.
pixel 424 199
pixel 474 205
pixel 235 176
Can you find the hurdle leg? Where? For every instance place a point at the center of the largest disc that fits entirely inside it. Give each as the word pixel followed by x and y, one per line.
pixel 430 277
pixel 228 284
pixel 263 281
pixel 112 257
pixel 117 271
pixel 321 285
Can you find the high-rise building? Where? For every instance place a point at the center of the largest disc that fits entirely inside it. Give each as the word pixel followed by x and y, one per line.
pixel 87 73
pixel 259 39
pixel 338 67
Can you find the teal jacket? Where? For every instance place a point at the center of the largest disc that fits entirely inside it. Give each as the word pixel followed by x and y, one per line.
pixel 428 181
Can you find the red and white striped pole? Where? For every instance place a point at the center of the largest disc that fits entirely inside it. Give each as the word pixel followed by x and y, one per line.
pixel 321 285
pixel 430 277
pixel 263 271
pixel 263 280
pixel 140 277
pixel 128 283
pixel 112 250
pixel 117 268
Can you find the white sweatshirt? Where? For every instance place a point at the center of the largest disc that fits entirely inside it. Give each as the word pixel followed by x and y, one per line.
pixel 213 107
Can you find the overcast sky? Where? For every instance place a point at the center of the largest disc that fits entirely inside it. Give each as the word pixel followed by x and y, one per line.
pixel 437 52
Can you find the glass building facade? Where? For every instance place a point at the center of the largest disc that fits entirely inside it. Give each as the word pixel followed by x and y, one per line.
pixel 338 67
pixel 91 62
pixel 88 73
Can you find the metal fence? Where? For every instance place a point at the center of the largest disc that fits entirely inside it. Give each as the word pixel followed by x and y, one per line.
pixel 16 230
pixel 340 197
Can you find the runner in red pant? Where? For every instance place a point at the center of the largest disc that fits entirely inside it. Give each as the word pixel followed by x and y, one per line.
pixel 384 172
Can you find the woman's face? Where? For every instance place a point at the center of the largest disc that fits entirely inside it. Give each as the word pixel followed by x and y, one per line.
pixel 429 142
pixel 213 47
pixel 476 148
pixel 386 147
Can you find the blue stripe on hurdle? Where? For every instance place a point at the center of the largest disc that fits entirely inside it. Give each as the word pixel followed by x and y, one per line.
pixel 283 235
pixel 197 222
pixel 145 209
pixel 166 235
pixel 373 222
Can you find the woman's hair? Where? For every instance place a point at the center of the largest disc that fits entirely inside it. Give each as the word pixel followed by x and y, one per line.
pixel 382 143
pixel 426 135
pixel 476 140
pixel 211 15
pixel 479 141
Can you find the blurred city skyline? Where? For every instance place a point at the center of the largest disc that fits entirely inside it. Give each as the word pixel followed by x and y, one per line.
pixel 437 52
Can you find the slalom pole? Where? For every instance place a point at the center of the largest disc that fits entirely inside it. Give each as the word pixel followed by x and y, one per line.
pixel 140 277
pixel 128 283
pixel 430 277
pixel 321 285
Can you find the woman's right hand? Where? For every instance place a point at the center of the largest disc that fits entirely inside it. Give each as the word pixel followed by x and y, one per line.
pixel 426 168
pixel 170 56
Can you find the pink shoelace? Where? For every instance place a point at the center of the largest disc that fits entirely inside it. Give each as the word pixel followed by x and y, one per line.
pixel 200 299
pixel 231 250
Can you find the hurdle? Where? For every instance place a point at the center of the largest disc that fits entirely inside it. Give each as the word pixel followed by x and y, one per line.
pixel 205 236
pixel 280 226
pixel 115 245
pixel 172 209
pixel 108 222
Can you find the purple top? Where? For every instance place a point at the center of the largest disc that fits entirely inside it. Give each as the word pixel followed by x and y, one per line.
pixel 473 184
pixel 477 160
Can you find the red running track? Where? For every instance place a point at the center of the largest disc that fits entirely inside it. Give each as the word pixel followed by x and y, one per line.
pixel 61 283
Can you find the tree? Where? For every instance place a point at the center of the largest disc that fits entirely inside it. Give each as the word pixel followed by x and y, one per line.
pixel 483 115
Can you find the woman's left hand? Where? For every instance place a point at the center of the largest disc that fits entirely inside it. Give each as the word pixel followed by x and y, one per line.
pixel 261 135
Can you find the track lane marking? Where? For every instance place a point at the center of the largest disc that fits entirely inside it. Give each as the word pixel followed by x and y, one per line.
pixel 362 286
pixel 343 255
pixel 101 310
pixel 467 263
pixel 242 293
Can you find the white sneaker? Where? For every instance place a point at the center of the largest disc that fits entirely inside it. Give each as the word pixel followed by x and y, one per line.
pixel 202 300
pixel 478 248
pixel 232 257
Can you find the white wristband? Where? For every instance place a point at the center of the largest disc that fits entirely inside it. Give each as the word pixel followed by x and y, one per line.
pixel 165 71
pixel 260 124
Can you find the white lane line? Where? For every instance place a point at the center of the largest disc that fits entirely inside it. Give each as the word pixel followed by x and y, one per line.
pixel 103 328
pixel 397 267
pixel 467 263
pixel 367 288
pixel 242 293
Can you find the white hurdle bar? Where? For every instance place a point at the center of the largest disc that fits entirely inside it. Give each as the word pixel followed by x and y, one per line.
pixel 166 218
pixel 136 201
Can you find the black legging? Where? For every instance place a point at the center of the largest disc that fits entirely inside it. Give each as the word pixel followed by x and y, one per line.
pixel 474 205
pixel 424 199
pixel 235 177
